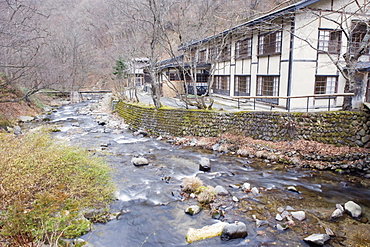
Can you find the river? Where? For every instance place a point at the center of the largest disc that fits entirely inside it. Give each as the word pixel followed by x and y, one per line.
pixel 153 210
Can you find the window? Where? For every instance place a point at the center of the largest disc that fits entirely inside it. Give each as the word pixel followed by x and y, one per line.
pixel 358 33
pixel 221 84
pixel 269 44
pixel 326 84
pixel 202 56
pixel 202 77
pixel 225 53
pixel 268 86
pixel 192 54
pixel 216 53
pixel 172 76
pixel 213 53
pixel 330 41
pixel 243 48
pixel 242 85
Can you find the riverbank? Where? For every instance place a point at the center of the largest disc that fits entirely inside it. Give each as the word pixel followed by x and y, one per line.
pixel 301 153
pixel 151 194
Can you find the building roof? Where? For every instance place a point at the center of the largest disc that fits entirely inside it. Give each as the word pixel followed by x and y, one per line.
pixel 269 16
pixel 177 62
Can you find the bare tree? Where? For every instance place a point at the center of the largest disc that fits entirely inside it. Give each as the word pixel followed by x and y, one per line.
pixel 21 41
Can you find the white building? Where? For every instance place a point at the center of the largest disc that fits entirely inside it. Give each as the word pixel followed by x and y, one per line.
pixel 294 51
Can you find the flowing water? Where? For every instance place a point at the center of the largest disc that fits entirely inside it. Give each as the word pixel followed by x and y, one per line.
pixel 153 210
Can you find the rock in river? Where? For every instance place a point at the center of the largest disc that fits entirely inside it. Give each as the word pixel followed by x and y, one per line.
pixel 221 191
pixel 204 165
pixel 299 215
pixel 246 187
pixel 193 210
pixel 353 209
pixel 232 231
pixel 139 161
pixel 318 239
pixel 25 118
pixel 205 232
pixel 336 214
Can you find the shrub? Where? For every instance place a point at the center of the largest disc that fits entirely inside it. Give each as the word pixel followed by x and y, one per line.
pixel 191 184
pixel 44 186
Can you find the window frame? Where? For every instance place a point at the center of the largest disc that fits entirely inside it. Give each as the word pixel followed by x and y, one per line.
pixel 202 56
pixel 221 84
pixel 270 43
pixel 238 89
pixel 321 86
pixel 243 48
pixel 329 41
pixel 213 52
pixel 225 53
pixel 262 88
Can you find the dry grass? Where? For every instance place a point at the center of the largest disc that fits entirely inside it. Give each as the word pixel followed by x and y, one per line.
pixel 206 195
pixel 191 184
pixel 44 186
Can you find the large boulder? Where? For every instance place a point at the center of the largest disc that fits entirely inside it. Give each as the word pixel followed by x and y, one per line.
pixel 235 230
pixel 205 232
pixel 204 164
pixel 353 209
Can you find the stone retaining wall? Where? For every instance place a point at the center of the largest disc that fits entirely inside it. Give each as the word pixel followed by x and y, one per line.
pixel 336 127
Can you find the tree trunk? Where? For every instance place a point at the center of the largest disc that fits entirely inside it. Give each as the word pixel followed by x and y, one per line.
pixel 156 94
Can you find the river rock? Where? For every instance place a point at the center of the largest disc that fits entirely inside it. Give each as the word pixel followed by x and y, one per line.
pixel 205 232
pixel 96 215
pixel 340 207
pixel 139 161
pixel 279 217
pixel 204 164
pixel 336 214
pixel 299 215
pixel 25 118
pixel 221 191
pixel 193 210
pixel 255 191
pixel 234 186
pixel 292 188
pixel 75 124
pixel 246 187
pixel 142 133
pixel 282 227
pixel 232 231
pixel 353 209
pixel 318 239
pixel 285 214
pixel 17 130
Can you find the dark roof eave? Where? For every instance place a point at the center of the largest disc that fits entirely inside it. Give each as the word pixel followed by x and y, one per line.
pixel 186 65
pixel 260 19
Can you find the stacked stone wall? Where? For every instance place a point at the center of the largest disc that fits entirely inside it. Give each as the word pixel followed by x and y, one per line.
pixel 334 127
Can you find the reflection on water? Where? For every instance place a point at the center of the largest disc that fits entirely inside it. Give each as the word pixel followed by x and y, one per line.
pixel 155 212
